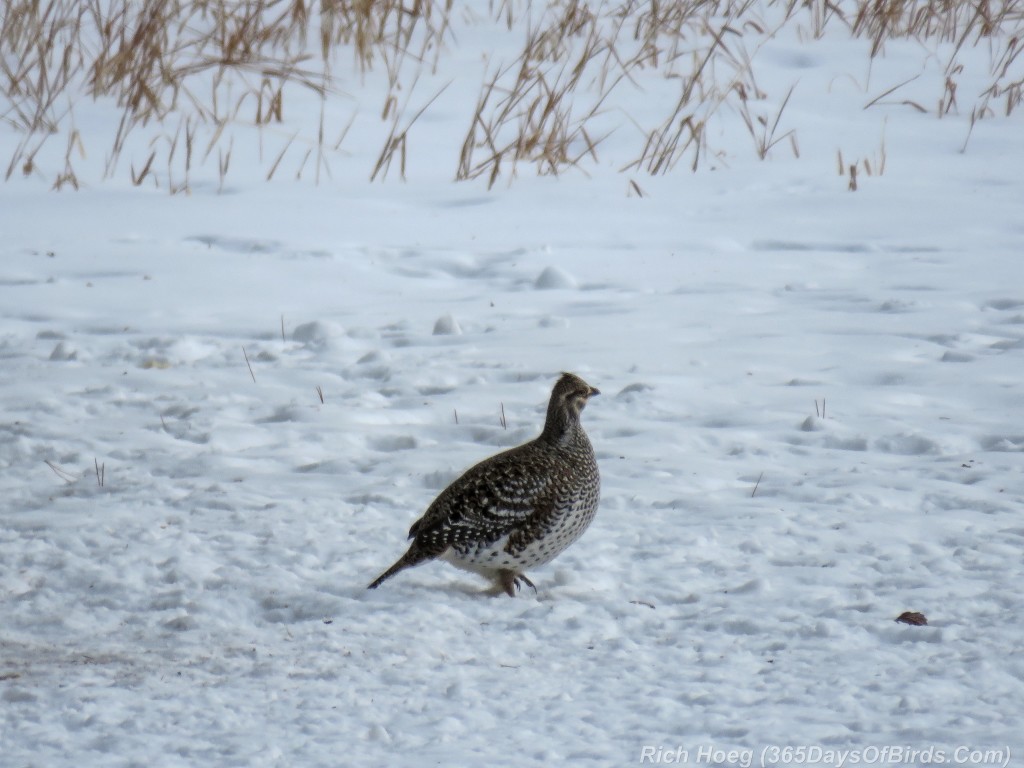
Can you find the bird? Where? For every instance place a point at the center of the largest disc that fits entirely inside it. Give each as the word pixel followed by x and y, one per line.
pixel 518 509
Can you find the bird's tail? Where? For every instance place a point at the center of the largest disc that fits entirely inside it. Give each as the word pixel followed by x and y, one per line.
pixel 407 560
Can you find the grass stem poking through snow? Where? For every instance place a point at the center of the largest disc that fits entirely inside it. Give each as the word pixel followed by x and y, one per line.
pixel 60 472
pixel 249 365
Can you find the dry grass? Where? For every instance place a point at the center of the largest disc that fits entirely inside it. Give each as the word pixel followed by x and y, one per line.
pixel 870 166
pixel 185 69
pixel 184 74
pixel 528 111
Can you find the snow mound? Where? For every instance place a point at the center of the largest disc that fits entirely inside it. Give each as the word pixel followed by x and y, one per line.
pixel 552 278
pixel 446 325
pixel 315 333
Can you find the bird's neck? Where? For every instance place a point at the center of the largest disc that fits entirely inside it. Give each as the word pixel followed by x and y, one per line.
pixel 559 427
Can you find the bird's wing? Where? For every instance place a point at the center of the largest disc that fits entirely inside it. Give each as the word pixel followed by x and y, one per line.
pixel 486 502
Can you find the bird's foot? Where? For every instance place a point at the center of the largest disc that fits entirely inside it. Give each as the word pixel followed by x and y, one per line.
pixel 511 582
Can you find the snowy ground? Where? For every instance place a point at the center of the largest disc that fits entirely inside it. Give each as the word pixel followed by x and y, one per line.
pixel 207 604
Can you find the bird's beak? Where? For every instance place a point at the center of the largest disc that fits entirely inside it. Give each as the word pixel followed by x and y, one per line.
pixel 594 391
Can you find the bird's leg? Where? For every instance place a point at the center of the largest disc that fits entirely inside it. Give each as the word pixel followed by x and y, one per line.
pixel 507 579
pixel 522 577
pixel 510 582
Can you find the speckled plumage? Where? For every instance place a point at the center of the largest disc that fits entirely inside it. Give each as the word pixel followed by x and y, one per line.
pixel 520 508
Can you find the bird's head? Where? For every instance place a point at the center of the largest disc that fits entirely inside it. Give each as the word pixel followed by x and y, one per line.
pixel 568 399
pixel 572 393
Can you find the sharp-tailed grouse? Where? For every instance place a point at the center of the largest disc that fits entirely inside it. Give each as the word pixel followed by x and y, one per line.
pixel 518 509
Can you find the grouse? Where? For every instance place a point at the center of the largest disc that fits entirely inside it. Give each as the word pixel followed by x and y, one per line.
pixel 518 509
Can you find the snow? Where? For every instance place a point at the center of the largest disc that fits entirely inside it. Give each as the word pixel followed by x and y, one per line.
pixel 810 423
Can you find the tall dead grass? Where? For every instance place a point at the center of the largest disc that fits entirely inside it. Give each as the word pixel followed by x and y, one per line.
pixel 185 67
pixel 183 73
pixel 546 108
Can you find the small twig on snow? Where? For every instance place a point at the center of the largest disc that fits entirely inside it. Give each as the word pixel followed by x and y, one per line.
pixel 249 365
pixel 60 472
